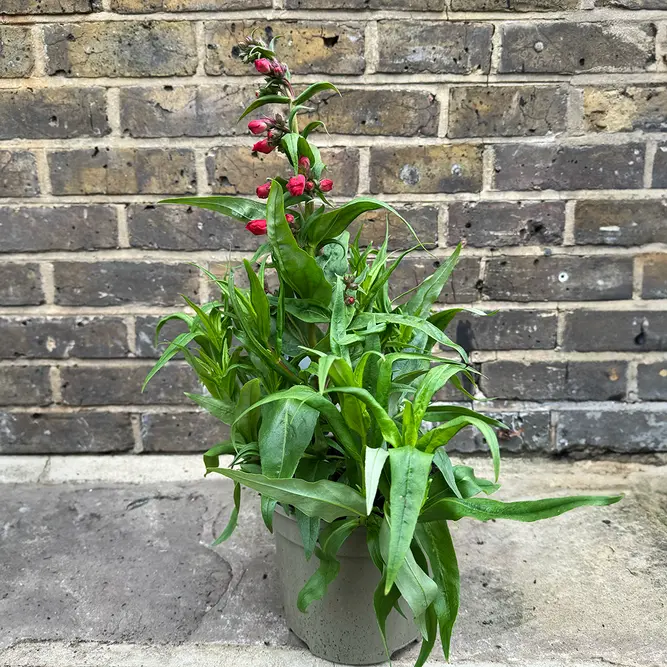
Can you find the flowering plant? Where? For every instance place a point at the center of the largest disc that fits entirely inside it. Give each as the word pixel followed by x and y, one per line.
pixel 328 383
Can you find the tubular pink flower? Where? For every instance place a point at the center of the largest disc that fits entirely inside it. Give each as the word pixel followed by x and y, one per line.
pixel 296 185
pixel 289 217
pixel 256 227
pixel 263 146
pixel 263 190
pixel 263 65
pixel 304 164
pixel 258 126
pixel 326 184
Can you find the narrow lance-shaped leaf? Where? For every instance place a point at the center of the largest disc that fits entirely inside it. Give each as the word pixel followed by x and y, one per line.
pixel 313 89
pixel 233 517
pixel 238 208
pixel 444 465
pixel 259 302
pixel 172 350
pixel 309 528
pixel 375 460
pixel 262 101
pixel 212 456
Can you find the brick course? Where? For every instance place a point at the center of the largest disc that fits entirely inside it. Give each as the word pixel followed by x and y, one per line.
pixel 533 131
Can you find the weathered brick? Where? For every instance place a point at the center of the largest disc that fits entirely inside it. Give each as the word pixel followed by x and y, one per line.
pixel 654 285
pixel 620 222
pixel 186 228
pixel 555 380
pixel 438 47
pixel 626 109
pixel 145 335
pixel 25 385
pixel 47 6
pixel 506 111
pixel 514 5
pixel 62 337
pixel 499 224
pixel 121 48
pixel 505 330
pixel 652 381
pixel 181 432
pixel 16 56
pixel 619 431
pixel 660 167
pixel 234 170
pixel 121 385
pixel 558 278
pixel 402 113
pixel 112 171
pixel 183 111
pixel 18 174
pixel 37 228
pixel 308 46
pixel 553 167
pixel 572 48
pixel 414 5
pixel 423 219
pixel 633 4
pixel 461 288
pixel 146 6
pixel 20 285
pixel 118 283
pixel 425 169
pixel 63 433
pixel 616 330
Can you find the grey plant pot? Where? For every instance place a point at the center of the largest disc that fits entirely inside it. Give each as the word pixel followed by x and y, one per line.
pixel 341 627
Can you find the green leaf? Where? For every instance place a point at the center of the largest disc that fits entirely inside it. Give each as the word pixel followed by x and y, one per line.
pixel 259 302
pixel 375 460
pixel 222 410
pixel 444 465
pixel 290 143
pixel 307 311
pixel 430 624
pixel 332 257
pixel 246 414
pixel 444 413
pixel 233 518
pixel 286 431
pixel 339 320
pixel 484 509
pixel 311 127
pixel 212 456
pixel 296 267
pixel 268 506
pixel 265 99
pixel 174 348
pixel 313 89
pixel 324 499
pixel 238 208
pixel 470 485
pixel 410 470
pixel 309 527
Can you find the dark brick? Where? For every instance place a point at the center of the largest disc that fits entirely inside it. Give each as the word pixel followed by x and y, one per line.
pixel 62 337
pixel 146 6
pixel 660 167
pixel 184 111
pixel 514 5
pixel 47 6
pixel 499 224
pixel 505 330
pixel 53 113
pixel 18 174
pixel 20 285
pixel 461 288
pixel 121 48
pixel 145 335
pixel 654 285
pixel 633 4
pixel 619 431
pixel 25 385
pixel 16 56
pixel 616 330
pixel 114 171
pixel 555 380
pixel 65 433
pixel 402 113
pixel 234 170
pixel 553 167
pixel 186 228
pixel 309 47
pixel 620 222
pixel 423 219
pixel 506 111
pixel 118 283
pixel 558 278
pixel 426 169
pixel 38 228
pixel 571 48
pixel 413 5
pixel 438 47
pixel 121 385
pixel 626 109
pixel 652 381
pixel 181 432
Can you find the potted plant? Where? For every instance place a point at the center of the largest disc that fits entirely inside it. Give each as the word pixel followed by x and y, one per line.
pixel 328 386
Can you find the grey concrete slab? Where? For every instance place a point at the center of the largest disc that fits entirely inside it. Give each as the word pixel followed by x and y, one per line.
pixel 124 571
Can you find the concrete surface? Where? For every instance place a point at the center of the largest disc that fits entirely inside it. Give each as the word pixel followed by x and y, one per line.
pixel 107 563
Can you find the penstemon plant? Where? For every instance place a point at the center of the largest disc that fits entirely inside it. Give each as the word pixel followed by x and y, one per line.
pixel 328 384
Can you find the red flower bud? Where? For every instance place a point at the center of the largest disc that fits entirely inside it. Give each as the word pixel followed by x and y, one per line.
pixel 349 301
pixel 263 190
pixel 263 146
pixel 256 227
pixel 258 126
pixel 304 164
pixel 310 186
pixel 289 217
pixel 326 184
pixel 263 65
pixel 278 68
pixel 296 184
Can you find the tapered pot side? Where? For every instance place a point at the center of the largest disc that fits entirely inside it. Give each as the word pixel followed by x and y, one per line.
pixel 342 626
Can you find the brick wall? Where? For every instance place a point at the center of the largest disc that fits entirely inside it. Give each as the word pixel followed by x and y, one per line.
pixel 533 129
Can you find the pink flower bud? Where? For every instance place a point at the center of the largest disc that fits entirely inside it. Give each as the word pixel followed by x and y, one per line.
pixel 263 65
pixel 289 217
pixel 278 68
pixel 326 184
pixel 256 227
pixel 262 146
pixel 296 185
pixel 258 126
pixel 349 301
pixel 304 164
pixel 263 190
pixel 310 186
